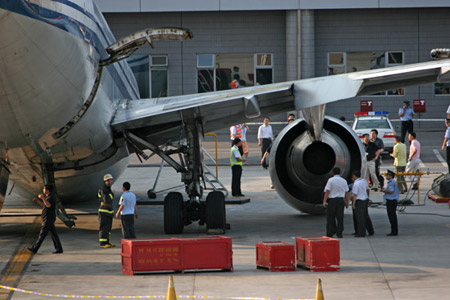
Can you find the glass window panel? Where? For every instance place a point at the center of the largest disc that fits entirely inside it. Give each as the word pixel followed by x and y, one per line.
pixel 205 61
pixel 369 124
pixel 395 58
pixel 140 66
pixel 264 76
pixel 264 59
pixel 335 58
pixel 229 66
pixel 442 88
pixel 205 81
pixel 159 60
pixel 159 83
pixel 335 70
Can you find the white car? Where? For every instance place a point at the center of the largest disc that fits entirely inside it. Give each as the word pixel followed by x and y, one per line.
pixel 366 121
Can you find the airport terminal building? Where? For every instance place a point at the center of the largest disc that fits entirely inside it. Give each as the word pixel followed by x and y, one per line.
pixel 265 41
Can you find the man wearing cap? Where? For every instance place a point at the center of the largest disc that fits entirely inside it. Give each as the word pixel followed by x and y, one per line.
pixel 406 113
pixel 236 168
pixel 391 195
pixel 106 211
pixel 446 143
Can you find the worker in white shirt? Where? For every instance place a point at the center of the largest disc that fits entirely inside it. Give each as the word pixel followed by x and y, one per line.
pixel 265 137
pixel 336 195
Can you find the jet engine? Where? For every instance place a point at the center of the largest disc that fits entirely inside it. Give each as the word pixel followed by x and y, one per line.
pixel 300 165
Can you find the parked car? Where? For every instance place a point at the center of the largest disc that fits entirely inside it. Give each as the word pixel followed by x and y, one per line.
pixel 364 122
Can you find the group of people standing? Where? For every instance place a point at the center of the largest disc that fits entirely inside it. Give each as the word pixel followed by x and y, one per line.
pixel 337 196
pixel 127 212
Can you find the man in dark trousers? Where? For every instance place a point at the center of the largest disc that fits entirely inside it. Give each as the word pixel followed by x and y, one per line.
pixel 336 194
pixel 48 215
pixel 360 200
pixel 106 211
pixel 128 211
pixel 391 195
pixel 236 168
pixel 406 113
pixel 379 142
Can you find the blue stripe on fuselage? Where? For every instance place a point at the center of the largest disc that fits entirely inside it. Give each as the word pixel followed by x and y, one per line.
pixel 75 28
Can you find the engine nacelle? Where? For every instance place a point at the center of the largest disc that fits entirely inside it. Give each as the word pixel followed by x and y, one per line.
pixel 300 167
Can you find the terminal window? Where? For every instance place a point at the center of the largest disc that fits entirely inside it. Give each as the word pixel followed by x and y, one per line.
pixel 345 62
pixel 216 72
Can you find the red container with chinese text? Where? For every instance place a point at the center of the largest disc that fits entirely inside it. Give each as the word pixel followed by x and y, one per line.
pixel 317 253
pixel 276 256
pixel 176 254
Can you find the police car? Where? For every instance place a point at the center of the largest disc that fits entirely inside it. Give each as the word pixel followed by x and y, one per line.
pixel 366 121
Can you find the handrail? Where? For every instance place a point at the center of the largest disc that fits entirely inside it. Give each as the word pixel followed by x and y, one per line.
pixel 217 157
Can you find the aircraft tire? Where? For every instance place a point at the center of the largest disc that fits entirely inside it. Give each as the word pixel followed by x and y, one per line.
pixel 215 211
pixel 173 213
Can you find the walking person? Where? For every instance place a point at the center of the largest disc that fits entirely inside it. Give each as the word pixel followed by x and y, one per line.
pixel 127 211
pixel 406 113
pixel 372 153
pixel 399 155
pixel 236 168
pixel 379 142
pixel 265 137
pixel 360 204
pixel 446 143
pixel 414 153
pixel 391 195
pixel 106 212
pixel 336 195
pixel 48 215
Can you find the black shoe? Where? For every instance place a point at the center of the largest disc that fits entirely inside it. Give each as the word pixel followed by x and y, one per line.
pixel 241 195
pixel 391 234
pixel 374 189
pixel 32 250
pixel 57 252
pixel 372 233
pixel 354 233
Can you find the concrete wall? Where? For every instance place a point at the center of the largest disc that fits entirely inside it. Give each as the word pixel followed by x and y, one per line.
pixel 214 33
pixel 414 31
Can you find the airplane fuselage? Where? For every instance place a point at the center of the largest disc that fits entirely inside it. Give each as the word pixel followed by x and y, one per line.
pixel 49 60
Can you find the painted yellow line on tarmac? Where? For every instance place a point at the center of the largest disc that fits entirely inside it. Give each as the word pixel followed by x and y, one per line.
pixel 17 264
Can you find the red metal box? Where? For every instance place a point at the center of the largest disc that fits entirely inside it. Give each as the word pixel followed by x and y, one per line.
pixel 176 254
pixel 276 256
pixel 318 253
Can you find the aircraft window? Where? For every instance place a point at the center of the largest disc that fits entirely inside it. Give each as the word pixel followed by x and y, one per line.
pixel 370 124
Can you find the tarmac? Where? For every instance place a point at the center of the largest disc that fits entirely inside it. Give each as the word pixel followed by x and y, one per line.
pixel 413 265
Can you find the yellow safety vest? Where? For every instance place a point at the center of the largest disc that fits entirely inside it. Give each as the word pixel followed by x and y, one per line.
pixel 233 160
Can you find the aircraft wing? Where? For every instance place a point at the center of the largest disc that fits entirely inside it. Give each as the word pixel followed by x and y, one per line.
pixel 161 120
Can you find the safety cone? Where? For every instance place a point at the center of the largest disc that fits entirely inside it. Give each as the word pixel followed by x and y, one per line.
pixel 171 294
pixel 319 292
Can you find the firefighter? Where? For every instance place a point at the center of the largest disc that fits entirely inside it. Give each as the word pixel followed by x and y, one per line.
pixel 106 211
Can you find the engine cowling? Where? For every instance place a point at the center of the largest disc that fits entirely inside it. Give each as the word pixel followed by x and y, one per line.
pixel 300 167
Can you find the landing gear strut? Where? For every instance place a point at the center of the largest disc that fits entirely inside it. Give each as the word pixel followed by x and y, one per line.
pixel 177 212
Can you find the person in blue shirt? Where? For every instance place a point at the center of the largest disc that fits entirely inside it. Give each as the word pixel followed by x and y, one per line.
pixel 391 195
pixel 127 211
pixel 406 113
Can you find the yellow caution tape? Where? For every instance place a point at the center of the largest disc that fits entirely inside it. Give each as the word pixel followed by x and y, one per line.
pixel 138 297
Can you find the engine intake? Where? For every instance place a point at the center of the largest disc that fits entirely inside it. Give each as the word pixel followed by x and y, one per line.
pixel 300 166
